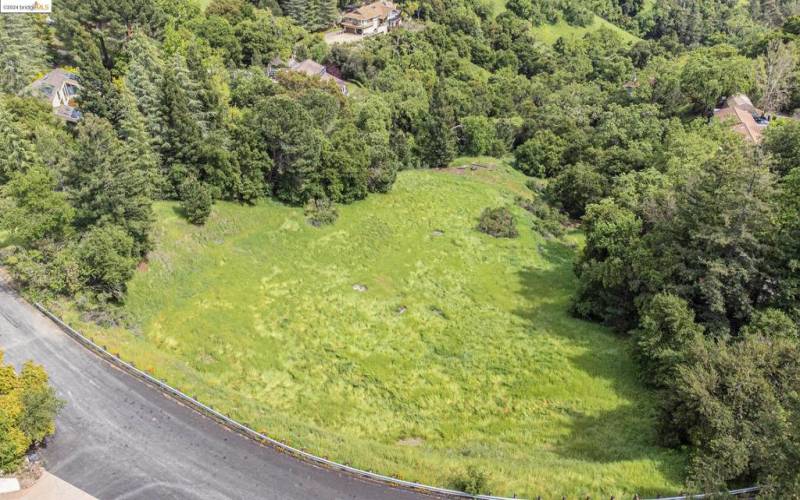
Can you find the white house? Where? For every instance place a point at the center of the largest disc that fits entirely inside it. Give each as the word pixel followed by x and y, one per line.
pixel 371 19
pixel 60 88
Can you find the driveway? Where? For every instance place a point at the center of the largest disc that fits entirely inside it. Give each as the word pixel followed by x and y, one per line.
pixel 118 438
pixel 334 37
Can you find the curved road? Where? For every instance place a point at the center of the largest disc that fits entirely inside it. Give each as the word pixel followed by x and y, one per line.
pixel 118 438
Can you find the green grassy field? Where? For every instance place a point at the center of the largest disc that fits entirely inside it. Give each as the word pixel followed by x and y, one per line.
pixel 550 33
pixel 497 6
pixel 460 352
pixel 5 239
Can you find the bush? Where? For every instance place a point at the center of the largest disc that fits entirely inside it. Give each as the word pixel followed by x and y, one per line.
pixel 478 135
pixel 105 254
pixel 50 270
pixel 576 187
pixel 576 14
pixel 549 221
pixel 541 155
pixel 522 8
pixel 498 222
pixel 736 402
pixel 383 167
pixel 40 403
pixel 472 481
pixel 321 212
pixel 196 200
pixel 782 140
pixel 28 408
pixel 666 328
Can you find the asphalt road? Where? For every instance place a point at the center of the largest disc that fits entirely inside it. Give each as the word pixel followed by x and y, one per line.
pixel 118 438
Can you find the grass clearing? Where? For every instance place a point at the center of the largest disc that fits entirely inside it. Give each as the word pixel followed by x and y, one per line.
pixel 497 6
pixel 550 33
pixel 5 239
pixel 400 340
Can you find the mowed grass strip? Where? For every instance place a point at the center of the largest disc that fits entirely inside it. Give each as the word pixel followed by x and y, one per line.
pixel 460 352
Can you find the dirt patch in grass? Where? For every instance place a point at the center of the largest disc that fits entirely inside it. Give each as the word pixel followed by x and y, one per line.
pixel 411 441
pixel 472 167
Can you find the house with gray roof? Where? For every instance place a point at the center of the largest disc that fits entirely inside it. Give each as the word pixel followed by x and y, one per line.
pixel 309 68
pixel 60 89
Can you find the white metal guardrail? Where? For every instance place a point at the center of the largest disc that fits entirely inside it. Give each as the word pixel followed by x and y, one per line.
pixel 264 439
pixel 735 493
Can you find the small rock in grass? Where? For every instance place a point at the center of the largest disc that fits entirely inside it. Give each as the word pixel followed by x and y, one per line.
pixel 411 441
pixel 359 287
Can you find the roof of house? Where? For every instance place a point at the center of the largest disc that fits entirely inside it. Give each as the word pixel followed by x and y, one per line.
pixel 374 10
pixel 52 82
pixel 741 101
pixel 739 110
pixel 309 67
pixel 68 113
pixel 313 68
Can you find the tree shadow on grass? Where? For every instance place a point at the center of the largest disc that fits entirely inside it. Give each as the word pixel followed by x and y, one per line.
pixel 180 212
pixel 628 431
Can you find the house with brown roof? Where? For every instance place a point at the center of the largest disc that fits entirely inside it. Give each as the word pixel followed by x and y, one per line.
pixel 309 68
pixel 744 118
pixel 371 19
pixel 60 89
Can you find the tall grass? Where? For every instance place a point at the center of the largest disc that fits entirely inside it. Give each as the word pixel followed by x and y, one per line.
pixel 459 356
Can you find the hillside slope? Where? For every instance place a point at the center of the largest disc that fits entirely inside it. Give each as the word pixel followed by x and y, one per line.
pixel 549 33
pixel 400 340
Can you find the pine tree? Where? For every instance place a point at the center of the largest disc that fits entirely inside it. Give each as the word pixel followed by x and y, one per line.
pixel 438 140
pixel 296 9
pixel 437 143
pixel 106 184
pixel 192 90
pixel 98 95
pixel 210 79
pixel 314 15
pixel 182 136
pixel 329 13
pixel 144 79
pixel 16 152
pixel 138 148
pixel 23 52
